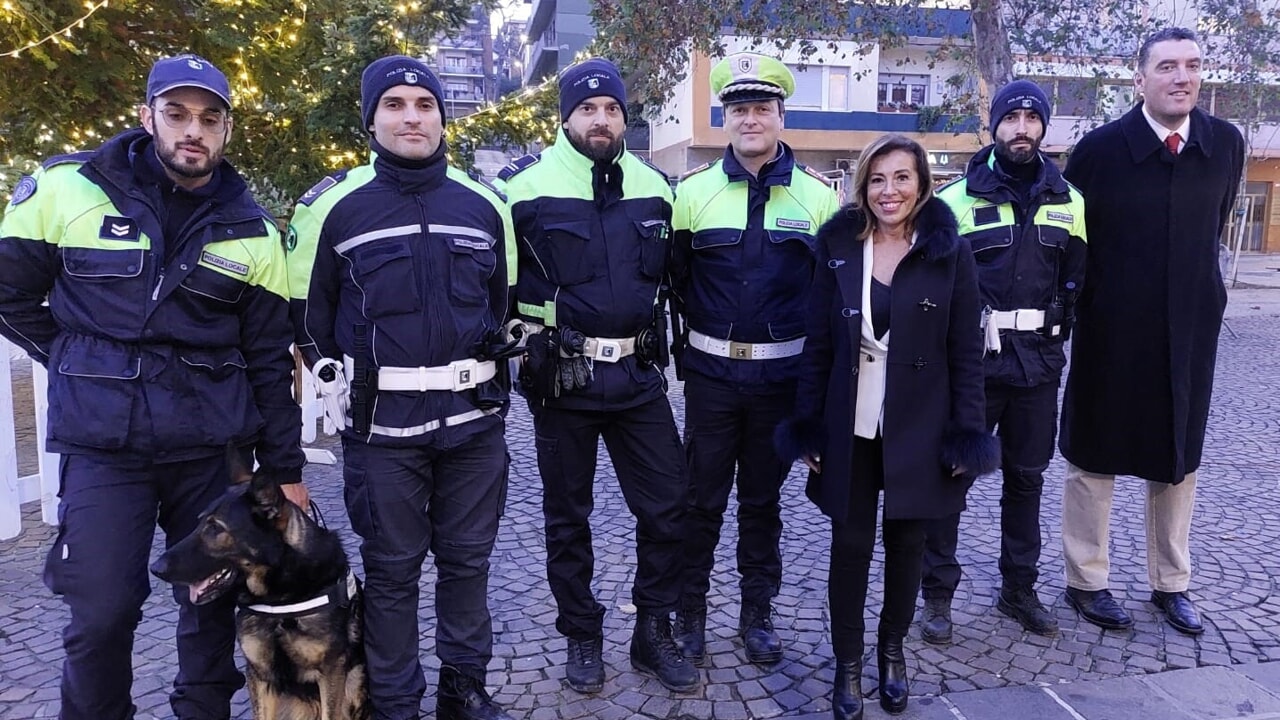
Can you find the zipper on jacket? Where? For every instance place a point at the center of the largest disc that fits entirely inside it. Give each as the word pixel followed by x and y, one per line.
pixel 155 294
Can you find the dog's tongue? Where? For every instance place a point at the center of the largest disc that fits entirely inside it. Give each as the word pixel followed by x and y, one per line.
pixel 199 588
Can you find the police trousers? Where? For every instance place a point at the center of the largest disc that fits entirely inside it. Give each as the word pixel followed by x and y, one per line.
pixel 1025 419
pixel 405 502
pixel 645 448
pixel 98 564
pixel 728 431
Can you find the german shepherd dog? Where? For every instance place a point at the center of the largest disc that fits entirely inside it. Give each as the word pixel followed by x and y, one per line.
pixel 300 616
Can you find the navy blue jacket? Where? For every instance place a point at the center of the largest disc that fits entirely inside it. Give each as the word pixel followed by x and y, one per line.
pixel 421 257
pixel 163 348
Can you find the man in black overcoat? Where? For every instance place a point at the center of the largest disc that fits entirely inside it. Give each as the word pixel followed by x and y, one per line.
pixel 1159 185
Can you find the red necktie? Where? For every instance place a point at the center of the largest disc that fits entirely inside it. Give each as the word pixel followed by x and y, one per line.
pixel 1171 141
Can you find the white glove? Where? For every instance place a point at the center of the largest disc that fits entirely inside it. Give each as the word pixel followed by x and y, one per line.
pixel 334 394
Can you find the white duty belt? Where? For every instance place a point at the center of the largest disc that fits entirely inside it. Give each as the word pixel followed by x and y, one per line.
pixel 457 376
pixel 609 350
pixel 1017 320
pixel 745 351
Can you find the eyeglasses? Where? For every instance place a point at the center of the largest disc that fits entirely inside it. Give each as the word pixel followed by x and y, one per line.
pixel 179 118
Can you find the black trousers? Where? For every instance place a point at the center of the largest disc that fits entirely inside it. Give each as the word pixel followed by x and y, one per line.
pixel 98 564
pixel 852 545
pixel 645 448
pixel 404 502
pixel 727 431
pixel 1026 422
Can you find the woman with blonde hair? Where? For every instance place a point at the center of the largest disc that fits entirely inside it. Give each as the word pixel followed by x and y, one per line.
pixel 899 411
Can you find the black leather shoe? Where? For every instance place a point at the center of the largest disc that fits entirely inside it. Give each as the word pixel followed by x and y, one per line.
pixel 1179 611
pixel 654 653
pixel 1099 608
pixel 584 671
pixel 755 627
pixel 463 697
pixel 1022 605
pixel 846 695
pixel 691 630
pixel 894 687
pixel 935 621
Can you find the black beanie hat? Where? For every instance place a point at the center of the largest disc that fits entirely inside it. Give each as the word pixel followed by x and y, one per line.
pixel 588 79
pixel 388 72
pixel 1017 95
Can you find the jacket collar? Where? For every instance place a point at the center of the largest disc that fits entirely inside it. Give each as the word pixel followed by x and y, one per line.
pixel 120 162
pixel 1142 140
pixel 983 178
pixel 775 172
pixel 408 175
pixel 935 228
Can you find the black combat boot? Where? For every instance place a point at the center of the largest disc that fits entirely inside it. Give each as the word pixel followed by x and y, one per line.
pixel 846 696
pixel 1021 604
pixel 463 697
pixel 755 627
pixel 584 671
pixel 935 621
pixel 654 653
pixel 894 687
pixel 691 630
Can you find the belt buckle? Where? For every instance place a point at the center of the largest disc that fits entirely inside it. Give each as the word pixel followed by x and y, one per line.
pixel 1029 324
pixel 740 350
pixel 464 374
pixel 609 351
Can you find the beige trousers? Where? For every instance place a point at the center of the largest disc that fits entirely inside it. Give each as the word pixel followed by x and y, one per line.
pixel 1086 520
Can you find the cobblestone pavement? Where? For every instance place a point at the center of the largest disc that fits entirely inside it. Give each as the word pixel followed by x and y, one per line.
pixel 1234 537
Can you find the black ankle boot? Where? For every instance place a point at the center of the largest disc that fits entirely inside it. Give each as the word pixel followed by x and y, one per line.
pixel 691 630
pixel 755 627
pixel 462 697
pixel 846 696
pixel 894 687
pixel 654 653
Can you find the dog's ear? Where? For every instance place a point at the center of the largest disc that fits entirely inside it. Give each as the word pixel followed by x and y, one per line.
pixel 268 500
pixel 237 466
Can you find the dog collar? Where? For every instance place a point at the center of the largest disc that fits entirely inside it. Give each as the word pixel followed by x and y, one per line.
pixel 340 593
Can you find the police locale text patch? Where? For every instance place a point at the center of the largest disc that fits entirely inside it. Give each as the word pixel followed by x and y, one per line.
pixel 209 258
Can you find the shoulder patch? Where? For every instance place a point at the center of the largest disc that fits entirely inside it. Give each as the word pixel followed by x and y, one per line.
pixel 517 165
pixel 319 188
pixel 290 238
pixel 25 188
pixel 479 177
pixel 655 168
pixel 697 170
pixel 75 157
pixel 814 174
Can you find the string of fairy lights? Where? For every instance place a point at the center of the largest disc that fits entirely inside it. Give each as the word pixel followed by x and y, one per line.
pixel 61 35
pixel 527 116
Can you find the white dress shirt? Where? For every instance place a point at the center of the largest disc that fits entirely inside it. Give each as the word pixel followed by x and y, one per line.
pixel 1162 132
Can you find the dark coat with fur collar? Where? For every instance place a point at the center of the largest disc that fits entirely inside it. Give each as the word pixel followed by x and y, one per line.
pixel 934 400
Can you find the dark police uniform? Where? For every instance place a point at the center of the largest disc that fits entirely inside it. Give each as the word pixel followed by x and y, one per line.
pixel 742 265
pixel 593 251
pixel 164 343
pixel 1030 251
pixel 400 276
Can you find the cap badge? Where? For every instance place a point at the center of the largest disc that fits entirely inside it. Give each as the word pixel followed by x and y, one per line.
pixel 593 83
pixel 195 64
pixel 411 77
pixel 744 63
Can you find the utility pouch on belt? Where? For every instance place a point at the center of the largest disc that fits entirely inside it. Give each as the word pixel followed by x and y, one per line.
pixel 364 382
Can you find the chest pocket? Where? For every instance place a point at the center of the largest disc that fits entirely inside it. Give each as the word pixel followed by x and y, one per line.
pixel 564 249
pixel 1053 237
pixel 986 243
pixel 654 236
pixel 384 272
pixel 717 238
pixel 471 264
pixel 101 264
pixel 214 285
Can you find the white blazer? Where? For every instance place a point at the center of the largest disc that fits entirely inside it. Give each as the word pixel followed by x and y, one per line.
pixel 872 358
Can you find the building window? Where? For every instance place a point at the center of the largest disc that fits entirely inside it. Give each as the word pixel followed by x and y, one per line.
pixel 838 89
pixel 902 93
pixel 1074 97
pixel 809 82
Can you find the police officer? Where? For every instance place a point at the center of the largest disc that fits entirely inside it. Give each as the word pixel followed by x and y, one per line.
pixel 743 262
pixel 167 338
pixel 1026 226
pixel 400 287
pixel 594 222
